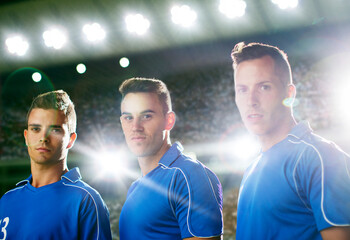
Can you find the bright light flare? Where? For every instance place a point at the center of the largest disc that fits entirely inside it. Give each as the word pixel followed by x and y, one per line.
pixel 124 62
pixel 136 23
pixel 111 164
pixel 54 38
pixel 245 147
pixel 232 8
pixel 183 15
pixel 235 152
pixel 81 68
pixel 94 32
pixel 36 77
pixel 342 99
pixel 284 4
pixel 17 45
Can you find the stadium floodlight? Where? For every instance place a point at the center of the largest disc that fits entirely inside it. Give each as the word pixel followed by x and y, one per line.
pixel 284 4
pixel 183 15
pixel 81 68
pixel 124 62
pixel 54 38
pixel 232 8
pixel 36 77
pixel 136 23
pixel 94 32
pixel 17 45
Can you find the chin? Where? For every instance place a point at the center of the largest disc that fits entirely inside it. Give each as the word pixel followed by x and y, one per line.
pixel 139 152
pixel 256 131
pixel 140 155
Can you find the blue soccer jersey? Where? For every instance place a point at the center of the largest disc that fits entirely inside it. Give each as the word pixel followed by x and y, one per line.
pixel 295 189
pixel 67 209
pixel 181 198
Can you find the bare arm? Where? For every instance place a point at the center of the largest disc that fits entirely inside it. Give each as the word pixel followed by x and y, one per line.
pixel 211 238
pixel 336 233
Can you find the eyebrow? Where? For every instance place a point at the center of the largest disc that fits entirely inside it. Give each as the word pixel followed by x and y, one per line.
pixel 143 112
pixel 263 82
pixel 258 83
pixel 34 125
pixel 39 125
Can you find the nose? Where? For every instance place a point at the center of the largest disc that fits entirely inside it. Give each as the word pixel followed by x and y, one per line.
pixel 137 125
pixel 253 99
pixel 44 138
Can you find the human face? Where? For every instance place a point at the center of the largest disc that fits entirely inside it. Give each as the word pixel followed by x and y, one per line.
pixel 259 98
pixel 144 124
pixel 47 136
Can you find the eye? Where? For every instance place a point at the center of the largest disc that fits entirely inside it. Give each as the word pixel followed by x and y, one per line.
pixel 147 116
pixel 35 129
pixel 265 87
pixel 241 90
pixel 56 130
pixel 127 118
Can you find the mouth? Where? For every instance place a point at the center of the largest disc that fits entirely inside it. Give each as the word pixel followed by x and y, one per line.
pixel 138 138
pixel 43 149
pixel 255 116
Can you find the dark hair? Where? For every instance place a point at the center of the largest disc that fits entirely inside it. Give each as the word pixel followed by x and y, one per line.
pixel 147 85
pixel 243 52
pixel 58 100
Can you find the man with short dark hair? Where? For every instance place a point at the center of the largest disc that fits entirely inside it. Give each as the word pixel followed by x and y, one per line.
pixel 177 197
pixel 299 187
pixel 53 203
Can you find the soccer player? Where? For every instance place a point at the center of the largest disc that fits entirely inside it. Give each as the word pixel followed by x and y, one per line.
pixel 53 203
pixel 177 197
pixel 299 187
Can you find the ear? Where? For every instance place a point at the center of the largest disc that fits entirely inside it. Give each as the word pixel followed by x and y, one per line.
pixel 170 120
pixel 72 139
pixel 291 91
pixel 290 96
pixel 25 136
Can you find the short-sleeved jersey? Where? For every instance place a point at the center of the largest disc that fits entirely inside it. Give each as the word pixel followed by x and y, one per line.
pixel 181 198
pixel 295 189
pixel 68 209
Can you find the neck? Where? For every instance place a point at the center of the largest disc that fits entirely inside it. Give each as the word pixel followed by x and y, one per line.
pixel 46 174
pixel 269 140
pixel 148 163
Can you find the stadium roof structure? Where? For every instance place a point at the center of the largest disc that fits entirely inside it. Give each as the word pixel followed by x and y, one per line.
pixel 31 18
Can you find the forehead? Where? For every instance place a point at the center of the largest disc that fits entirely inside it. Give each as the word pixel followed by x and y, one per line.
pixel 139 102
pixel 259 69
pixel 47 117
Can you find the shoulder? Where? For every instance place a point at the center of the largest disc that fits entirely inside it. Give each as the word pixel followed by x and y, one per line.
pixel 318 156
pixel 73 182
pixel 82 188
pixel 193 170
pixel 321 148
pixel 13 193
pixel 188 164
pixel 198 178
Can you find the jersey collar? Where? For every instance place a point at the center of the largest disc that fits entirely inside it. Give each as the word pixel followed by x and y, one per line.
pixel 25 181
pixel 171 155
pixel 300 130
pixel 73 175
